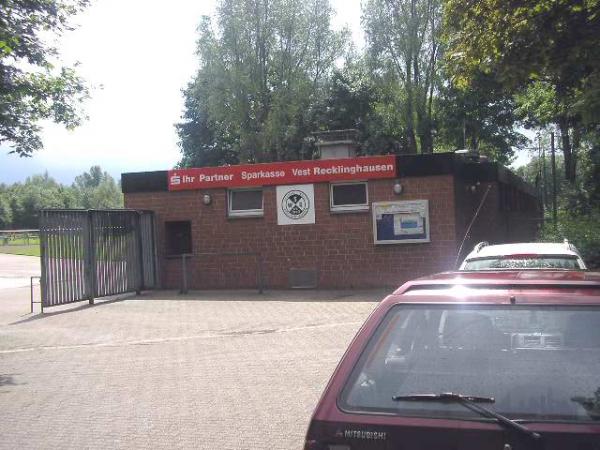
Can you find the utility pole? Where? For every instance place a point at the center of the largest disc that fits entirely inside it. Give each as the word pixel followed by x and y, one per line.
pixel 539 179
pixel 553 159
pixel 544 181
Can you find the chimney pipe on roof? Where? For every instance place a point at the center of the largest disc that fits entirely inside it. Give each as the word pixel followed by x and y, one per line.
pixel 337 144
pixel 471 155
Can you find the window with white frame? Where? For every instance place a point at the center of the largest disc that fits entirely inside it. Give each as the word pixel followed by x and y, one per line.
pixel 349 196
pixel 245 202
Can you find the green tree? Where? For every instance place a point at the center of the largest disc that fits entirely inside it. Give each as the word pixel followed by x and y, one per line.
pixel 263 66
pixel 5 209
pixel 549 50
pixel 480 118
pixel 90 179
pixel 20 203
pixel 200 141
pixel 96 190
pixel 578 211
pixel 36 193
pixel 581 230
pixel 404 41
pixel 31 87
pixel 355 99
pixel 348 100
pixel 538 173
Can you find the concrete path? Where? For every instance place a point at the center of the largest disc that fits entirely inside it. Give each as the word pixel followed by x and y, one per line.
pixel 208 370
pixel 16 270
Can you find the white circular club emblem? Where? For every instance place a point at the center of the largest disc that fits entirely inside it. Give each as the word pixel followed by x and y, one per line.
pixel 295 204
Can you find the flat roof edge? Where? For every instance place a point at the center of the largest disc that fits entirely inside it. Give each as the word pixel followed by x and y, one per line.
pixel 412 165
pixel 156 181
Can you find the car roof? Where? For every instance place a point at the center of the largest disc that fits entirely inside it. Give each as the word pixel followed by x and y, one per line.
pixel 501 285
pixel 509 276
pixel 524 248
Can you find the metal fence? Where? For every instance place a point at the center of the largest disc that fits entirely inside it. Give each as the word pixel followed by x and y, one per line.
pixel 19 237
pixel 147 232
pixel 86 254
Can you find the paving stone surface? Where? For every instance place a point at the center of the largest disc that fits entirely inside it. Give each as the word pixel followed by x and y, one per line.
pixel 15 270
pixel 210 370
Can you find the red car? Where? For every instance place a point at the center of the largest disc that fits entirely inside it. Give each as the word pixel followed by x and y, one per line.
pixel 471 361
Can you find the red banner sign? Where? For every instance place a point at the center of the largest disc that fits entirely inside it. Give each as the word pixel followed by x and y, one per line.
pixel 293 172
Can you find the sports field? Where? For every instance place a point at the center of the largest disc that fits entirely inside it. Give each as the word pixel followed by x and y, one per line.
pixel 20 245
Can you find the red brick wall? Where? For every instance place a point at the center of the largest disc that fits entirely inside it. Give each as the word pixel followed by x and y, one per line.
pixel 494 224
pixel 339 246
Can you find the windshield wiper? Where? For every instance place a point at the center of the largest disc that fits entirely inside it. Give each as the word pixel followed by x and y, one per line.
pixel 471 402
pixel 449 396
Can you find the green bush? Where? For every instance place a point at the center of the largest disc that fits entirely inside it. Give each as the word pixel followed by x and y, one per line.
pixel 581 230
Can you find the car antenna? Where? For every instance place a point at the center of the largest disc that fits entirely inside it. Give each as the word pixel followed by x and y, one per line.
pixel 471 224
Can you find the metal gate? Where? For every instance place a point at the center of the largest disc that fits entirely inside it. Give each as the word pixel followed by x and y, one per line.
pixel 87 254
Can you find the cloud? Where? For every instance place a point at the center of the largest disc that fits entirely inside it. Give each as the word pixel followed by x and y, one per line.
pixel 138 55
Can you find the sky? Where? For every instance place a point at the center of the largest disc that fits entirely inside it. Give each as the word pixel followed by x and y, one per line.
pixel 137 55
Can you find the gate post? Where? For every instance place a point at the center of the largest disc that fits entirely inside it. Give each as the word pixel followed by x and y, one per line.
pixel 155 268
pixel 90 258
pixel 140 253
pixel 43 258
pixel 184 283
pixel 260 274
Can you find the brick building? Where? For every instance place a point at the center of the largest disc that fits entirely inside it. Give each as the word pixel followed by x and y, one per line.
pixel 353 222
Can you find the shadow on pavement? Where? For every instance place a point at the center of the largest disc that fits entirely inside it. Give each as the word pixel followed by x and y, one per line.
pixel 374 295
pixel 8 379
pixel 71 309
pixel 293 296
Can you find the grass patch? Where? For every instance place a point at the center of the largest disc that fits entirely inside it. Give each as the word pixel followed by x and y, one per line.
pixel 28 250
pixel 6 240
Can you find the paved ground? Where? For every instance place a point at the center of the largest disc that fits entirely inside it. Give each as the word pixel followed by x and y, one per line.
pixel 226 370
pixel 15 270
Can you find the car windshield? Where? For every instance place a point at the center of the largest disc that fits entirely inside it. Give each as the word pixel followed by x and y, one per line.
pixel 538 262
pixel 537 362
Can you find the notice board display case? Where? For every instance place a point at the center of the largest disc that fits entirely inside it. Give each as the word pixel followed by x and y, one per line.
pixel 401 222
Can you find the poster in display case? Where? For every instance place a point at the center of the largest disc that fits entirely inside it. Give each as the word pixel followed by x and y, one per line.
pixel 401 222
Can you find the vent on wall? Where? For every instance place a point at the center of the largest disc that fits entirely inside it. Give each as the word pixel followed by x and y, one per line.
pixel 303 278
